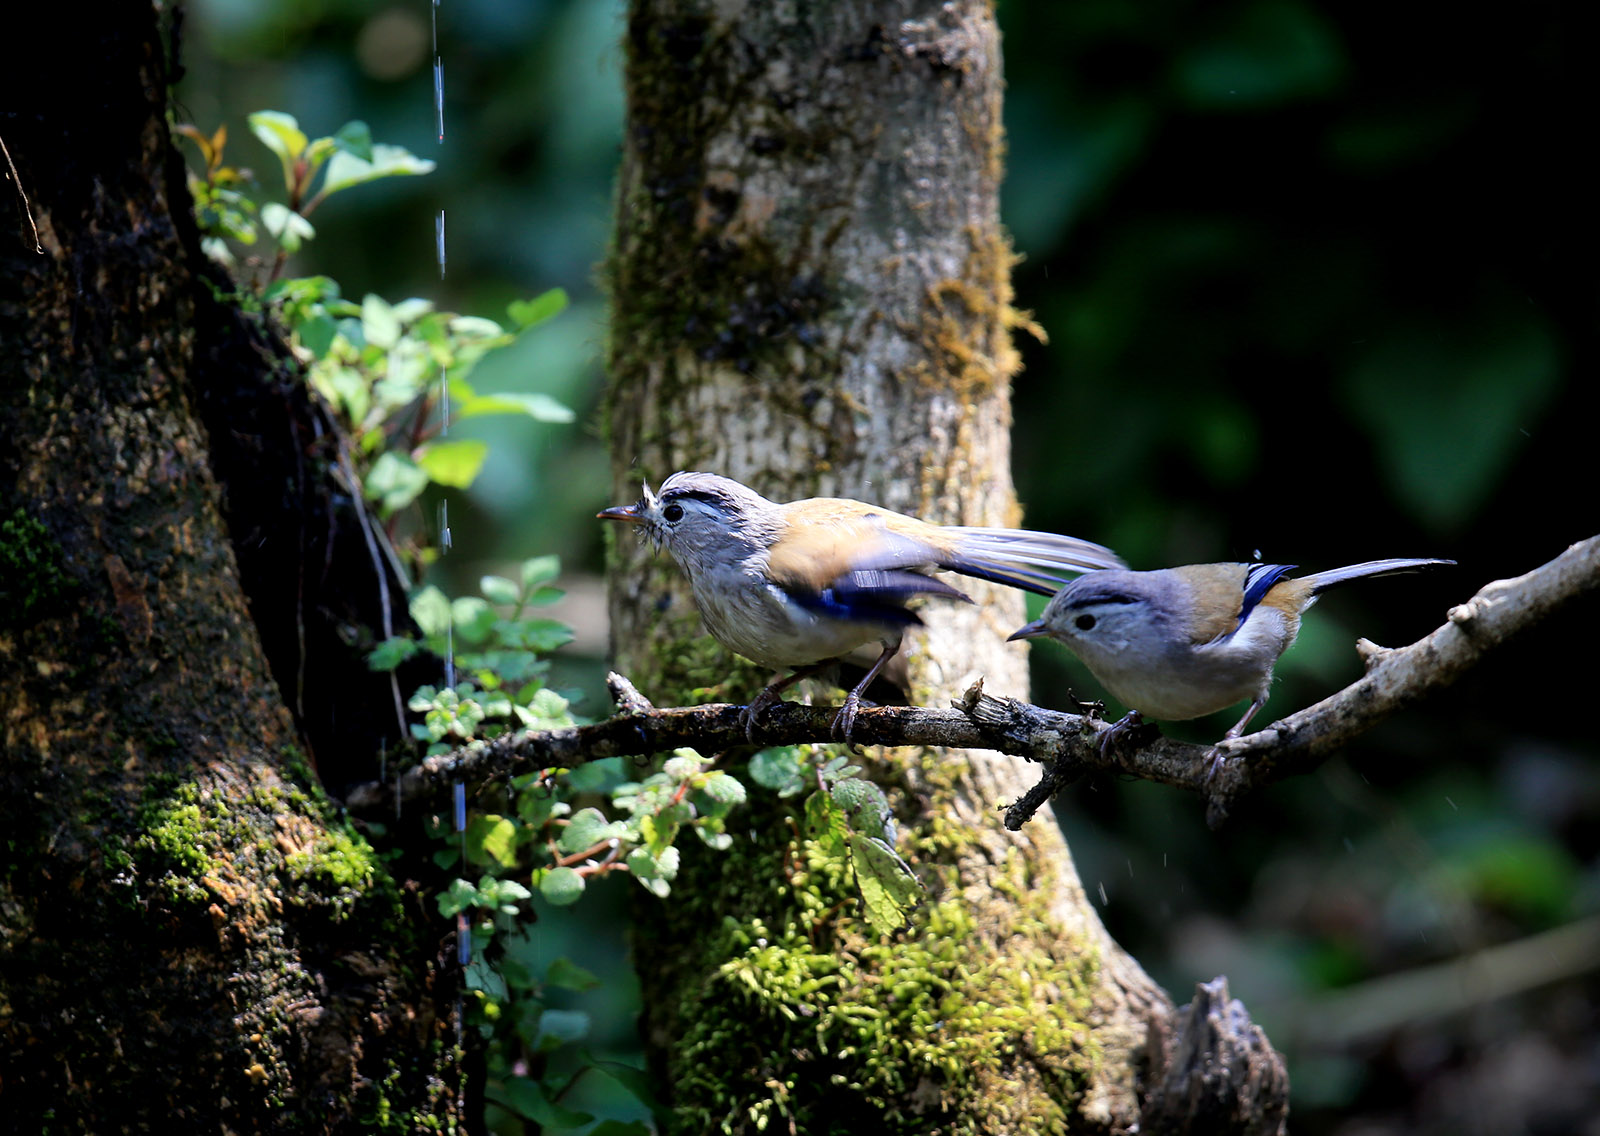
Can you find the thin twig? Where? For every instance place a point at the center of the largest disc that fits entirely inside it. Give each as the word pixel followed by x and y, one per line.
pixel 27 209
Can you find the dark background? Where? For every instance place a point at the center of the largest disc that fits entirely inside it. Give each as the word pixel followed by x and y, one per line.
pixel 1318 282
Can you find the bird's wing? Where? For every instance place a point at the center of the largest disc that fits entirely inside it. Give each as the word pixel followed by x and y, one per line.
pixel 1218 598
pixel 844 560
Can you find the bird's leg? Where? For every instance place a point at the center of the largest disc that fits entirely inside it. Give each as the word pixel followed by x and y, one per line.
pixel 1250 712
pixel 1123 726
pixel 1238 729
pixel 844 721
pixel 769 695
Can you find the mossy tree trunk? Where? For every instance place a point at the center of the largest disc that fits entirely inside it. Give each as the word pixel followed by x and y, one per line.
pixel 190 939
pixel 811 294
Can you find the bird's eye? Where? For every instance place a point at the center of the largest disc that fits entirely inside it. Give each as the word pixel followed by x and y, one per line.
pixel 1084 623
pixel 672 514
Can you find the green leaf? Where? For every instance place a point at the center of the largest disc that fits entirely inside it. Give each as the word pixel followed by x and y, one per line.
pixel 561 886
pixel 539 407
pixel 411 310
pixel 458 897
pixel 499 590
pixel 355 139
pixel 473 618
pixel 346 169
pixel 782 770
pixel 395 481
pixel 499 839
pixel 475 327
pixel 316 153
pixel 568 975
pixel 527 313
pixel 683 764
pixel 646 865
pixel 303 290
pixel 281 134
pixel 539 570
pixel 316 334
pixel 480 975
pixel 713 838
pixel 510 891
pixel 865 808
pixel 825 824
pixel 723 789
pixel 527 1097
pixel 588 828
pixel 889 889
pixel 389 654
pixel 378 323
pixel 454 463
pixel 286 226
pixel 536 805
pixel 636 1081
pixel 541 635
pixel 550 704
pixel 430 607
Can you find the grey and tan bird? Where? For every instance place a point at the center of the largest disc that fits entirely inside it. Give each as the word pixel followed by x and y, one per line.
pixel 801 584
pixel 1185 642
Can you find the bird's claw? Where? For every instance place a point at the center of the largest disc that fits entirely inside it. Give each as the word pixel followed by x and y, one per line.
pixel 1118 730
pixel 758 706
pixel 844 722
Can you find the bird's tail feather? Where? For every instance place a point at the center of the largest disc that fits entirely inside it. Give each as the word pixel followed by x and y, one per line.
pixel 1033 561
pixel 1321 581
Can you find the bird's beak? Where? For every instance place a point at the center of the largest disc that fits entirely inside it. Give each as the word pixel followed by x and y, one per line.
pixel 621 513
pixel 1028 631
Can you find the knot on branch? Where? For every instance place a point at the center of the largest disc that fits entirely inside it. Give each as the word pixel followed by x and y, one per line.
pixel 1371 654
pixel 1213 1070
pixel 1466 614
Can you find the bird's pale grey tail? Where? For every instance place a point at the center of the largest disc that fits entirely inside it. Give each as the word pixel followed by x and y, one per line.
pixel 1321 581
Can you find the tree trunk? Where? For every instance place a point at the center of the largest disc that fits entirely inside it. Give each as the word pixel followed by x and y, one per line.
pixel 190 938
pixel 811 294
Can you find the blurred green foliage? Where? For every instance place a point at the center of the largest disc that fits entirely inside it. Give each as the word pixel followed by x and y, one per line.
pixel 1318 281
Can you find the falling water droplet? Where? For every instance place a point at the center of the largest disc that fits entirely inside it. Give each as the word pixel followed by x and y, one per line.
pixel 449 652
pixel 438 94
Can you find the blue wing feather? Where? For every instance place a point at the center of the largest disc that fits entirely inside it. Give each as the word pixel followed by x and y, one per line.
pixel 873 595
pixel 1259 579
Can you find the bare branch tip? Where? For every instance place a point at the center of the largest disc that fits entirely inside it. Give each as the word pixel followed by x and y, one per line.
pixel 626 696
pixel 1371 654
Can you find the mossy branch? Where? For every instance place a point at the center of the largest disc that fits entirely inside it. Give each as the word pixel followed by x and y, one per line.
pixel 1066 744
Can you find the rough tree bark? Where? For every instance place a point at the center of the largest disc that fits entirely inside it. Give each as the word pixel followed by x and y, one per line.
pixel 190 938
pixel 811 294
